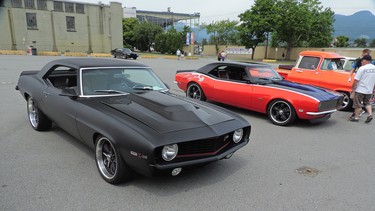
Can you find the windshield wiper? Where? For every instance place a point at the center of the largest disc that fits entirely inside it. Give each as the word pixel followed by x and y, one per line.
pixel 265 79
pixel 276 78
pixel 110 91
pixel 142 87
pixel 270 79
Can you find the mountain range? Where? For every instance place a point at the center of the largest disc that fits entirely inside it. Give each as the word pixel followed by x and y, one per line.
pixel 359 25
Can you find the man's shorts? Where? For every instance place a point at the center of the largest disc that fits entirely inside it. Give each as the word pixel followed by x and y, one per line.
pixel 360 98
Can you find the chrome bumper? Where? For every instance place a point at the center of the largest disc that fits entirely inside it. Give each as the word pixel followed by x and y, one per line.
pixel 321 113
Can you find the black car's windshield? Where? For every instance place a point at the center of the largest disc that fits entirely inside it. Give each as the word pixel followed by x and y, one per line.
pixel 264 74
pixel 118 81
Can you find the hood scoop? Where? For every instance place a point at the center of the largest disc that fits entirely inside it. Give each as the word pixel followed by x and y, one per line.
pixel 166 113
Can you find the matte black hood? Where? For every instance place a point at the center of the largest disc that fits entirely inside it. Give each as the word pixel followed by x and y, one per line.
pixel 166 113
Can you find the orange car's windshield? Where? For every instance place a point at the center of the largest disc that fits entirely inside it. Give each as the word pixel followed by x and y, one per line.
pixel 264 73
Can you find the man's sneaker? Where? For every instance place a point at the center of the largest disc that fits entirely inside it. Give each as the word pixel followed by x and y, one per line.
pixel 369 118
pixel 353 119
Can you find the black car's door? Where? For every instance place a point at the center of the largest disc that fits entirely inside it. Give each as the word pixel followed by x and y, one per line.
pixel 62 110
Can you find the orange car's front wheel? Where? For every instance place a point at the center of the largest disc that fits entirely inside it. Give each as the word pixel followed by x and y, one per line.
pixel 281 112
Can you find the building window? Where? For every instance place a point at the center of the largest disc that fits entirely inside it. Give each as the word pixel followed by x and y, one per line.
pixel 58 6
pixel 80 9
pixel 70 24
pixel 29 4
pixel 69 7
pixel 42 4
pixel 17 3
pixel 31 21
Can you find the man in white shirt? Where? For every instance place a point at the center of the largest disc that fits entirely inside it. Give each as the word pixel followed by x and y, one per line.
pixel 363 86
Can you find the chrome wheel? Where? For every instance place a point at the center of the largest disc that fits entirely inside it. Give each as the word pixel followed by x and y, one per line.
pixel 32 111
pixel 195 91
pixel 110 164
pixel 281 113
pixel 106 158
pixel 38 120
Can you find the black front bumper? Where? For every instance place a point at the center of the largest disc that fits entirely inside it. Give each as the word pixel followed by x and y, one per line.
pixel 168 167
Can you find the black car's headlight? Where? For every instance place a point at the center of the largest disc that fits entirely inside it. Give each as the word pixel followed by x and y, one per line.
pixel 237 135
pixel 169 152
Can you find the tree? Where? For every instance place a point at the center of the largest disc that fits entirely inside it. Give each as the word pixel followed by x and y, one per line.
pixel 168 42
pixel 372 43
pixel 322 27
pixel 145 34
pixel 222 32
pixel 342 41
pixel 128 25
pixel 298 21
pixel 361 42
pixel 256 23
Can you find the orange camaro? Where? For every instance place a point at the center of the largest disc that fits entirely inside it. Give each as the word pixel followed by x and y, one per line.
pixel 260 88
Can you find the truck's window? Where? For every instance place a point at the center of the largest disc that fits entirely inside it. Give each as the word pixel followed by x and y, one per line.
pixel 308 62
pixel 347 63
pixel 331 64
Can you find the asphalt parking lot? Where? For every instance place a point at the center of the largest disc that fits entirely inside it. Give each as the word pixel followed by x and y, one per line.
pixel 328 166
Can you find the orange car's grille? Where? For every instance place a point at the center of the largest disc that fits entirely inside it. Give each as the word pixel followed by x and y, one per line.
pixel 330 104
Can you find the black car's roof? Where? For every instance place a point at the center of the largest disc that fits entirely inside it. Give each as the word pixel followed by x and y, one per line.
pixel 95 62
pixel 209 67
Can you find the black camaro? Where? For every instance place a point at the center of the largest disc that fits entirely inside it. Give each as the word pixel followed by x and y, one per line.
pixel 123 111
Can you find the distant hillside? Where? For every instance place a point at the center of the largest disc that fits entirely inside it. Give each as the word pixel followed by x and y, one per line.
pixel 360 24
pixel 354 26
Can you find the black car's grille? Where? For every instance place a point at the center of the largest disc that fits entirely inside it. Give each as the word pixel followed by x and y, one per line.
pixel 203 147
pixel 330 104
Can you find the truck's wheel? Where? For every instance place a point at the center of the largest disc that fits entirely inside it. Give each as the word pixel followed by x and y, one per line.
pixel 347 102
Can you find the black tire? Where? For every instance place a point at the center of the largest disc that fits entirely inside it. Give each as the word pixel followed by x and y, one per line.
pixel 110 164
pixel 281 113
pixel 347 103
pixel 195 91
pixel 38 120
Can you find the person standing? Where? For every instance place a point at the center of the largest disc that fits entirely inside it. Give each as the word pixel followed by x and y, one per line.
pixel 363 86
pixel 223 55
pixel 178 53
pixel 219 56
pixel 358 62
pixel 182 54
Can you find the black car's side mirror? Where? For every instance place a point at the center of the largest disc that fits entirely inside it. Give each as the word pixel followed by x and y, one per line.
pixel 69 92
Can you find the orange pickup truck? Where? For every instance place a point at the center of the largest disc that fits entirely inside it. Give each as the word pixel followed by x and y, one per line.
pixel 323 69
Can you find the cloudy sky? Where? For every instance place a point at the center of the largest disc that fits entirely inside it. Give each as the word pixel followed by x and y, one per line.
pixel 211 10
